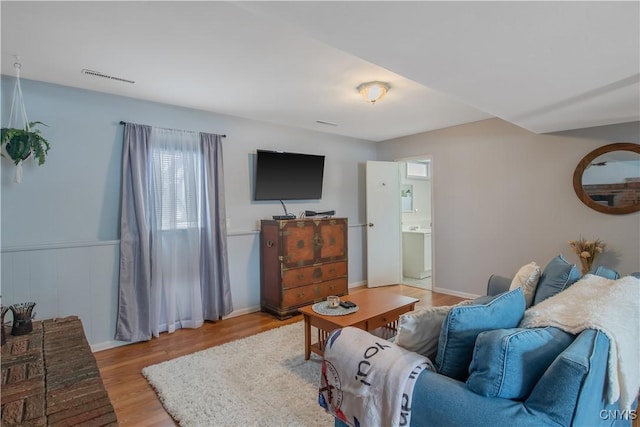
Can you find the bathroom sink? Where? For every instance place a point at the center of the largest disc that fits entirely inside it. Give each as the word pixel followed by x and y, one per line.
pixel 417 230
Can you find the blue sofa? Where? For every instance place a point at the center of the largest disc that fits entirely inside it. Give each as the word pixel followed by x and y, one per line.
pixel 570 392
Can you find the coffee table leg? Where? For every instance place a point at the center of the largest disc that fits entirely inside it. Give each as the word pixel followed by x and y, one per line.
pixel 307 338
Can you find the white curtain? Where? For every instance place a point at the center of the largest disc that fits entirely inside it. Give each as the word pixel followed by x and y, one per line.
pixel 173 256
pixel 175 189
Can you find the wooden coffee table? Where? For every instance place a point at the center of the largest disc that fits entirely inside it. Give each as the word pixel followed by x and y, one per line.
pixel 378 308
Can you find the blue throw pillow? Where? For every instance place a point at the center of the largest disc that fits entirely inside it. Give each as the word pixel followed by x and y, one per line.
pixel 556 277
pixel 508 363
pixel 463 324
pixel 605 272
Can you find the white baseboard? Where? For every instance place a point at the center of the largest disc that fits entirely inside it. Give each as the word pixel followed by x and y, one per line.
pixel 112 344
pixel 242 311
pixel 455 293
pixel 357 284
pixel 107 345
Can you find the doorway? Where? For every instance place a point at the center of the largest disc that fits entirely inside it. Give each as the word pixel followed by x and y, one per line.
pixel 390 189
pixel 416 220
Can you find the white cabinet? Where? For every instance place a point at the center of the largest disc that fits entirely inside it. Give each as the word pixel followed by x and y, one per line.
pixel 416 253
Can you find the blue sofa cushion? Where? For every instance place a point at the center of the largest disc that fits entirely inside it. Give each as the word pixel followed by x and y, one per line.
pixel 556 277
pixel 463 324
pixel 508 363
pixel 605 272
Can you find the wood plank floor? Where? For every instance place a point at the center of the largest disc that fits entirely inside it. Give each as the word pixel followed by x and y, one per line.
pixel 135 402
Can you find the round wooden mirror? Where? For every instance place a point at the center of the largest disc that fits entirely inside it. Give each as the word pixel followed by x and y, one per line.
pixel 608 178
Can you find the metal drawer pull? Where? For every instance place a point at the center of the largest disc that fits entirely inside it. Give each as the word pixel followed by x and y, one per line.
pixel 317 241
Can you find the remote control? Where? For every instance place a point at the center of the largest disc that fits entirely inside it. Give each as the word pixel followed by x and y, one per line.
pixel 347 304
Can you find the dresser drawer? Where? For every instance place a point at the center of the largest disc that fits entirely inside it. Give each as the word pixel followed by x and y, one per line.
pixel 318 273
pixel 302 295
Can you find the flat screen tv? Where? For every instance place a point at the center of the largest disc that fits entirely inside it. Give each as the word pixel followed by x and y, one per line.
pixel 288 176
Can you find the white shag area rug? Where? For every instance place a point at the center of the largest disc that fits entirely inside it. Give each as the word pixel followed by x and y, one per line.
pixel 262 380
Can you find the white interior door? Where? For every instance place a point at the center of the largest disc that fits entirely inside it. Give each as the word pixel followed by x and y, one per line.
pixel 384 238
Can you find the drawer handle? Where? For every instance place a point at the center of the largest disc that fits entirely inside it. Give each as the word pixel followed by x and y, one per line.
pixel 317 290
pixel 300 294
pixel 269 243
pixel 300 276
pixel 332 287
pixel 317 273
pixel 332 270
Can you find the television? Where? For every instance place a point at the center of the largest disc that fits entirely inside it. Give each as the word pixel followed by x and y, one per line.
pixel 288 176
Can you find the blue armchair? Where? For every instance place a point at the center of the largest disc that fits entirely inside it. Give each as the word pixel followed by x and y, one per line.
pixel 571 392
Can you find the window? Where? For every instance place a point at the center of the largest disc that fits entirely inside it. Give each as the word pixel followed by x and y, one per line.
pixel 419 170
pixel 178 186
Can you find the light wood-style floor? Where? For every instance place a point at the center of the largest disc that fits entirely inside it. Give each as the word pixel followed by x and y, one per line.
pixel 135 402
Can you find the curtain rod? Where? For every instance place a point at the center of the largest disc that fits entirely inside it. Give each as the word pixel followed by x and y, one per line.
pixel 122 122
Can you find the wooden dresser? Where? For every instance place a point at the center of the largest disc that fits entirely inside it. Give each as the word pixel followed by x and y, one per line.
pixel 302 261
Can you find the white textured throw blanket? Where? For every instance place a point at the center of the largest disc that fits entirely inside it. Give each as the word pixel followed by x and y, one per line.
pixel 610 306
pixel 368 381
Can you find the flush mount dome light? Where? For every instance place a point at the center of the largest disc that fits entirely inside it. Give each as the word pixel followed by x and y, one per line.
pixel 373 92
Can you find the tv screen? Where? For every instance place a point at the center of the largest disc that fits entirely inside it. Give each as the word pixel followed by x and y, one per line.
pixel 288 176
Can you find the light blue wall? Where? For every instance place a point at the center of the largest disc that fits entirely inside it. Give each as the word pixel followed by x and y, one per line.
pixel 60 225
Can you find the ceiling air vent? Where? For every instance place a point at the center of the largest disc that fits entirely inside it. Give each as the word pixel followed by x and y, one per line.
pixel 322 122
pixel 105 76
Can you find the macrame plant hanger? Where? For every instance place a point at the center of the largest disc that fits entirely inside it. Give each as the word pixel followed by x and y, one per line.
pixel 17 108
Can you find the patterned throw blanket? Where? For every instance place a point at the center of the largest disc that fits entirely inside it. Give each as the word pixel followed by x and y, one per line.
pixel 368 381
pixel 610 306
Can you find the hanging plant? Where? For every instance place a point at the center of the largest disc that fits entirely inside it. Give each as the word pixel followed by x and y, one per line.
pixel 20 144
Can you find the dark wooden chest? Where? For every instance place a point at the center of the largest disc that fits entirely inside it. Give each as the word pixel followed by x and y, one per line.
pixel 302 262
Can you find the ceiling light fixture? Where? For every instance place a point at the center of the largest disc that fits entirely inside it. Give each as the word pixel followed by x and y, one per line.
pixel 373 92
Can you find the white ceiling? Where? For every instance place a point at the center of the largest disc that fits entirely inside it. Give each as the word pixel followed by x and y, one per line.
pixel 544 66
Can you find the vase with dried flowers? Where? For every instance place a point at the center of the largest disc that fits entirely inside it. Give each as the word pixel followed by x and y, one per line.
pixel 587 251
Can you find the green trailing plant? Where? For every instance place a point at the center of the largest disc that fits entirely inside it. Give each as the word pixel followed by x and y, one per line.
pixel 19 144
